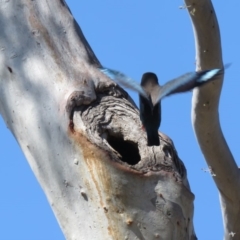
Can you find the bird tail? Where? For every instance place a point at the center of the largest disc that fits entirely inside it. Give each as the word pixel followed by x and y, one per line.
pixel 152 138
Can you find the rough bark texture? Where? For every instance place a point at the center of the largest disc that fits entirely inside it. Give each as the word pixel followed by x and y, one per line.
pixel 205 116
pixel 82 135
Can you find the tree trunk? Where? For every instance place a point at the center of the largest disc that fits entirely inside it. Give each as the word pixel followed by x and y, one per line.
pixel 81 133
pixel 205 116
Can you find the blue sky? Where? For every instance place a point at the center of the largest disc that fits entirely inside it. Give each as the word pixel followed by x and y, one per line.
pixel 134 37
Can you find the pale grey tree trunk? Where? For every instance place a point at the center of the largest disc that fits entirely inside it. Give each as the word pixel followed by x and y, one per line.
pixel 81 133
pixel 205 116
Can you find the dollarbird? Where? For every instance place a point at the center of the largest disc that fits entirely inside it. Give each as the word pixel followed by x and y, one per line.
pixel 151 93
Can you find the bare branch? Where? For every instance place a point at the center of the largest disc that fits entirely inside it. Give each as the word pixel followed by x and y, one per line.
pixel 205 116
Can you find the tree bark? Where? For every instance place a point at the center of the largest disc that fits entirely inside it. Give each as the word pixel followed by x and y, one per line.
pixel 82 136
pixel 205 115
pixel 81 133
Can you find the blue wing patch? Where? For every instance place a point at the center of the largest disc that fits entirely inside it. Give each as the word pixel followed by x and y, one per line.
pixel 123 80
pixel 187 82
pixel 208 75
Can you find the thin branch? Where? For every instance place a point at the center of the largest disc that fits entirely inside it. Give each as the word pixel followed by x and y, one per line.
pixel 205 116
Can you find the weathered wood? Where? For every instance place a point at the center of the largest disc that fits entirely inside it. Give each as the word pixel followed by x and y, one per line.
pixel 205 115
pixel 81 134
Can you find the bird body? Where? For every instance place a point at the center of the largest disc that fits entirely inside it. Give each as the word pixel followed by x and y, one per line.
pixel 150 111
pixel 151 93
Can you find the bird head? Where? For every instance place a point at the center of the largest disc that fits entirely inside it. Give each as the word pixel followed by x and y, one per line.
pixel 150 84
pixel 149 80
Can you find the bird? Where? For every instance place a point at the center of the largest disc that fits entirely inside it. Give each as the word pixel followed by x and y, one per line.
pixel 150 110
pixel 151 94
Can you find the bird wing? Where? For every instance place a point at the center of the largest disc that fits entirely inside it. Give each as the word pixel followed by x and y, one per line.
pixel 124 80
pixel 187 82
